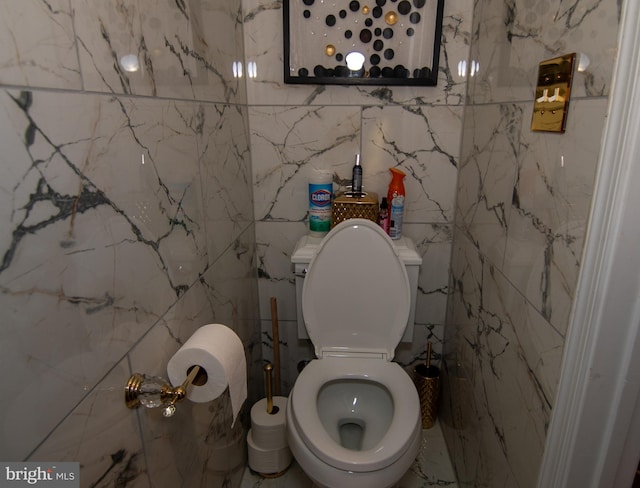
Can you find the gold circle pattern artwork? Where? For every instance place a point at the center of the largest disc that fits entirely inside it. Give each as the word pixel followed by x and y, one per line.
pixel 365 10
pixel 391 18
pixel 330 50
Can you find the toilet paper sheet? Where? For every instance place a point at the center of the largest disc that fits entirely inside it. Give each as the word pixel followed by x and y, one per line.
pixel 217 349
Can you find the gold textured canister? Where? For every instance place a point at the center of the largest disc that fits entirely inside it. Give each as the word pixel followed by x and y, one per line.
pixel 427 381
pixel 350 206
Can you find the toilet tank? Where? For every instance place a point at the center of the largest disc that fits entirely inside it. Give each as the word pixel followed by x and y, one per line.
pixel 308 245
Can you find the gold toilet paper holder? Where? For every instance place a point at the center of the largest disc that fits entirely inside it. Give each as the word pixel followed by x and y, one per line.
pixel 155 391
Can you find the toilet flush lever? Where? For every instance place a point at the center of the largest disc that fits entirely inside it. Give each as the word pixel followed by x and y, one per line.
pixel 301 274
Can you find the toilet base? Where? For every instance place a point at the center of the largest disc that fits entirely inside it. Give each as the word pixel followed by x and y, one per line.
pixel 325 476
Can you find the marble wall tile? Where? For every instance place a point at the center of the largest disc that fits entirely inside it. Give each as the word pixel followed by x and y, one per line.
pixel 287 144
pixel 515 410
pixel 276 242
pixel 424 143
pixel 264 46
pixel 497 399
pixel 550 207
pixel 521 212
pixel 183 50
pixel 459 412
pixel 516 36
pixel 487 174
pixel 187 448
pixel 111 226
pixel 199 446
pixel 225 169
pixel 433 242
pixel 98 435
pixel 39 48
pixel 127 222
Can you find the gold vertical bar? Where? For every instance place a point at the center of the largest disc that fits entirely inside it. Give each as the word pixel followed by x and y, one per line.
pixel 267 370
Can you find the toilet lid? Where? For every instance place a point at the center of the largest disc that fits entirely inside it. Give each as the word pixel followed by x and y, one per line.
pixel 356 296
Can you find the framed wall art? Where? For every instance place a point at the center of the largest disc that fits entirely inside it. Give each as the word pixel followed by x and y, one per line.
pixel 362 42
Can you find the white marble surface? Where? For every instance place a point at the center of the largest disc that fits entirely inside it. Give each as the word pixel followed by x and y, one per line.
pixel 522 206
pixel 39 46
pixel 184 50
pixel 513 37
pixel 431 468
pixel 127 223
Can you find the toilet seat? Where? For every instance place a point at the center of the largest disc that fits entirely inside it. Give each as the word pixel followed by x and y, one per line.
pixel 306 418
pixel 356 255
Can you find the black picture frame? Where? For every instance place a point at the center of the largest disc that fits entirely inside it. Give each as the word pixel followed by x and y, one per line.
pixel 321 28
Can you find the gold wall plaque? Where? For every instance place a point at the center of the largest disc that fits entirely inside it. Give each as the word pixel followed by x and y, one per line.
pixel 551 102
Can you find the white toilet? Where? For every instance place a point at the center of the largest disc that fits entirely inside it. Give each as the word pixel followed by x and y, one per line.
pixel 353 416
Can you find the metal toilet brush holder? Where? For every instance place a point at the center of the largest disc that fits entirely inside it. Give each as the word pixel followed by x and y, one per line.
pixel 427 380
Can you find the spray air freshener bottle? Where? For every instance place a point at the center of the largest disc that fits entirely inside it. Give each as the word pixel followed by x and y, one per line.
pixel 395 197
pixel 356 178
pixel 320 194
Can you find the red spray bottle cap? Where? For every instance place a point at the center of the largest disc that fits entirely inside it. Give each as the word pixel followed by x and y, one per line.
pixel 396 186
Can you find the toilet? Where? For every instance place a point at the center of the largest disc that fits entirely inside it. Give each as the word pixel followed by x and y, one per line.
pixel 353 415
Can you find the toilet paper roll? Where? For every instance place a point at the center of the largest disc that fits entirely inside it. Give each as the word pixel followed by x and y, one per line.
pixel 266 461
pixel 217 349
pixel 269 429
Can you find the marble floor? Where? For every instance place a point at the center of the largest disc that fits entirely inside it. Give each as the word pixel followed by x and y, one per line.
pixel 431 468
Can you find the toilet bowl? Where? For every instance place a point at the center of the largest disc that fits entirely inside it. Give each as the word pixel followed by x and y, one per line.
pixel 353 415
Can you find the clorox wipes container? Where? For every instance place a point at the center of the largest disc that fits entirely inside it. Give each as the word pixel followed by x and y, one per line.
pixel 320 195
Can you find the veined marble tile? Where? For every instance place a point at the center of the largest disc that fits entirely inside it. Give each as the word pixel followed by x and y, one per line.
pixel 95 244
pixel 225 168
pixel 98 435
pixel 230 291
pixel 167 49
pixel 264 46
pixel 459 407
pixel 514 412
pixel 550 207
pixel 424 143
pixel 515 37
pixel 541 344
pixel 275 243
pixel 287 144
pixel 488 169
pixel 78 252
pixel 231 283
pixel 198 443
pixel 433 242
pixel 38 45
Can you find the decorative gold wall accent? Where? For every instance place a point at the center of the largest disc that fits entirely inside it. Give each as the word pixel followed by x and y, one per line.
pixel 551 104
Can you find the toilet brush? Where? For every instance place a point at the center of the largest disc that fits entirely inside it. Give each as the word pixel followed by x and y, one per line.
pixel 427 381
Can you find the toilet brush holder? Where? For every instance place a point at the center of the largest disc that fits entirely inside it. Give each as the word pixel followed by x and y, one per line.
pixel 427 381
